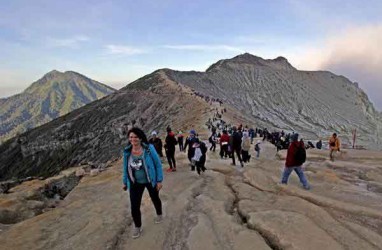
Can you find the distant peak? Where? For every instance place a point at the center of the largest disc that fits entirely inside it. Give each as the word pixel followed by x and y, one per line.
pixel 53 73
pixel 280 59
pixel 247 56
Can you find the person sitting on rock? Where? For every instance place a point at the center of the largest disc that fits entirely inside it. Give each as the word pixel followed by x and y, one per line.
pixel 319 144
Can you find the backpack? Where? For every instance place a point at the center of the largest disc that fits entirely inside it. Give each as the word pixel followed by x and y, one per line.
pixel 257 148
pixel 203 148
pixel 300 155
pixel 210 139
pixel 246 144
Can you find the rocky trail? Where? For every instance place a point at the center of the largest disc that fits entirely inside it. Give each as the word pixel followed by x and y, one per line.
pixel 227 207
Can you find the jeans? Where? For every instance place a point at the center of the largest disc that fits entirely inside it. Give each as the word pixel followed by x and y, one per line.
pixel 299 172
pixel 257 154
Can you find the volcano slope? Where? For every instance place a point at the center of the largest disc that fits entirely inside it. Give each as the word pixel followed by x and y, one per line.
pixel 95 133
pixel 224 208
pixel 277 95
pixel 265 93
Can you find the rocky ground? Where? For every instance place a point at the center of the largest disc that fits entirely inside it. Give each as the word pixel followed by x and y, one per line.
pixel 225 208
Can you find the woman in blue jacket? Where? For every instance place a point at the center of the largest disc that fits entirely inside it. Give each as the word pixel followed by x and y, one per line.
pixel 142 169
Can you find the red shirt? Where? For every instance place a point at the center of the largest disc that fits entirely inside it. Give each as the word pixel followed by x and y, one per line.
pixel 290 160
pixel 224 138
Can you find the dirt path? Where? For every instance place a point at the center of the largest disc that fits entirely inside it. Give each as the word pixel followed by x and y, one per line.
pixel 225 208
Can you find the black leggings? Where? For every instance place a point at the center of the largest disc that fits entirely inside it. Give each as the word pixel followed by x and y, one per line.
pixel 238 153
pixel 170 154
pixel 136 193
pixel 224 151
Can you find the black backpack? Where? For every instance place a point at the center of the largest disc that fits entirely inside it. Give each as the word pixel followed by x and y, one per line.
pixel 210 139
pixel 300 155
pixel 203 148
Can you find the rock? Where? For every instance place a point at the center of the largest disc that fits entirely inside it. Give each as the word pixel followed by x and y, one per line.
pixel 94 172
pixel 80 173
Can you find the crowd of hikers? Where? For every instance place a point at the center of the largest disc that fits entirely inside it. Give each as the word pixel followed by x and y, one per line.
pixel 142 158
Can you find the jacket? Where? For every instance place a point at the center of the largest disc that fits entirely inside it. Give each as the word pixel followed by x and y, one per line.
pixel 290 159
pixel 152 163
pixel 336 141
pixel 224 138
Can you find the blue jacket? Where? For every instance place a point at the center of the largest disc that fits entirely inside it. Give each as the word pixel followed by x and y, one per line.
pixel 151 161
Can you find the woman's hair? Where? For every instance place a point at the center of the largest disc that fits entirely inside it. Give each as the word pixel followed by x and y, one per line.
pixel 139 132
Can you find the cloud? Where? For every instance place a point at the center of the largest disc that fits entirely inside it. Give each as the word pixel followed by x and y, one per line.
pixel 123 50
pixel 206 48
pixel 72 42
pixel 354 53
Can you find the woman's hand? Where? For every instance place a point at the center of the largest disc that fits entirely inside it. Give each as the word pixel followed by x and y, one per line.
pixel 159 186
pixel 124 187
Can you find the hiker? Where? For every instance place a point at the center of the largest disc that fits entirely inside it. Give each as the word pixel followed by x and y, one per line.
pixel 170 143
pixel 180 140
pixel 296 156
pixel 212 140
pixel 142 169
pixel 199 157
pixel 310 145
pixel 245 146
pixel 257 148
pixel 190 140
pixel 251 132
pixel 334 145
pixel 319 144
pixel 224 141
pixel 235 144
pixel 157 143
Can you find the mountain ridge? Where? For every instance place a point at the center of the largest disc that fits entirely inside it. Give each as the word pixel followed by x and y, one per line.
pixel 312 103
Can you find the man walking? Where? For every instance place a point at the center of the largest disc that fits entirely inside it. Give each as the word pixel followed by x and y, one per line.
pixel 296 156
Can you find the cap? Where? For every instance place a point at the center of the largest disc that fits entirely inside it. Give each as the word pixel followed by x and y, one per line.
pixel 154 133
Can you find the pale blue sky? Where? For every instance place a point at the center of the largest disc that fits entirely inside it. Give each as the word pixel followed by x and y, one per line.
pixel 116 42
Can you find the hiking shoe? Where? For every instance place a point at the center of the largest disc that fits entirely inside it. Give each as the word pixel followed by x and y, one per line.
pixel 173 170
pixel 136 232
pixel 169 170
pixel 307 187
pixel 158 219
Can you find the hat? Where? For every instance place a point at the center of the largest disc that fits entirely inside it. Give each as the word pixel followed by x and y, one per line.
pixel 154 133
pixel 192 132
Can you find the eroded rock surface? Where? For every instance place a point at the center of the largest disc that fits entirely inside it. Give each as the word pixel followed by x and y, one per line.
pixel 225 208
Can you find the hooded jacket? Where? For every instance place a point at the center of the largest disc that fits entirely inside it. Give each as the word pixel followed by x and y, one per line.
pixel 152 163
pixel 290 159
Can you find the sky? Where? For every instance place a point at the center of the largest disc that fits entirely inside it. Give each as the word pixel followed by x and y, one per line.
pixel 117 42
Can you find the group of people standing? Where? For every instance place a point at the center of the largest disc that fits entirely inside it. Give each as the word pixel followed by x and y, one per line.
pixel 142 167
